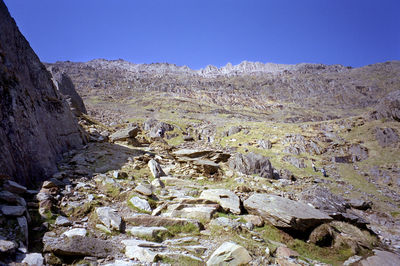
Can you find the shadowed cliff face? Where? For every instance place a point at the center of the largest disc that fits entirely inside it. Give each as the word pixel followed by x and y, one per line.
pixel 36 124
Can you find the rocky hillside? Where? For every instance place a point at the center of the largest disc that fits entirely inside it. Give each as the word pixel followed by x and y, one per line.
pixel 36 124
pixel 254 164
pixel 305 92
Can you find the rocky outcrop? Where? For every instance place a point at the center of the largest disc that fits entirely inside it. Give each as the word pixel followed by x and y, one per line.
pixel 386 137
pixel 252 163
pixel 64 84
pixel 285 213
pixel 36 124
pixel 229 253
pixel 388 107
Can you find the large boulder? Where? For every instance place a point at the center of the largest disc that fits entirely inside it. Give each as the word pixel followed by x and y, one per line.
pixel 388 107
pixel 252 163
pixel 36 123
pixel 324 200
pixel 228 200
pixel 381 257
pixel 78 246
pixel 229 253
pixel 64 84
pixel 285 213
pixel 129 132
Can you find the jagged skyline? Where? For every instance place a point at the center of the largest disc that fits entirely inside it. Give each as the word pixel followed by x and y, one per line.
pixel 353 33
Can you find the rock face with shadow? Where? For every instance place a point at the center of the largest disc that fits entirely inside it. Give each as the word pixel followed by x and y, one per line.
pixel 36 124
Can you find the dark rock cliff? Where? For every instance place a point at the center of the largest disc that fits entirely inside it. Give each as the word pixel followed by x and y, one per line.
pixel 36 124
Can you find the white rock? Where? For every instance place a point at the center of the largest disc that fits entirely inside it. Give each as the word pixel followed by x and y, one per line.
pixel 6 246
pixel 141 254
pixel 141 231
pixel 229 253
pixel 109 217
pixel 140 203
pixel 75 232
pixel 34 259
pixel 226 198
pixel 63 221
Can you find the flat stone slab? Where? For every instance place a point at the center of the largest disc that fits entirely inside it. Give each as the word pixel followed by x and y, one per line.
pixel 79 246
pixel 225 198
pixel 149 220
pixel 12 210
pixel 285 213
pixel 75 232
pixel 63 221
pixel 142 231
pixel 201 212
pixel 191 153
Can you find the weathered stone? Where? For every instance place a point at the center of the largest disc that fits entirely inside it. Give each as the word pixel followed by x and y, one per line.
pixel 109 217
pixel 12 210
pixel 140 203
pixel 225 198
pixel 9 197
pixel 33 259
pixel 339 233
pixel 388 107
pixel 285 213
pixel 140 254
pixel 144 189
pixel 130 132
pixel 225 222
pixel 360 204
pixel 358 152
pixel 156 169
pixel 31 109
pixel 148 220
pixel 201 212
pixel 207 167
pixel 75 232
pixel 254 219
pixel 142 243
pixel 252 163
pixel 79 246
pixel 191 153
pixel 24 230
pixel 62 221
pixel 229 253
pixel 141 231
pixel 264 144
pixel 386 136
pixel 381 257
pixel 64 84
pixel 324 200
pixel 7 246
pixel 282 252
pixel 298 162
pixel 14 187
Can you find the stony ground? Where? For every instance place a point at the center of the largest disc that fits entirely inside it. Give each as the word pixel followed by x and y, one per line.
pixel 241 194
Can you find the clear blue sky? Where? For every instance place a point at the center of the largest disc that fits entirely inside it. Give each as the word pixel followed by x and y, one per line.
pixel 201 32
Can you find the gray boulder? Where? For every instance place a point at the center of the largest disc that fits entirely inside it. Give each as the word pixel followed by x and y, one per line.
pixel 229 253
pixel 155 169
pixel 381 257
pixel 127 133
pixel 79 246
pixel 228 200
pixel 109 217
pixel 386 136
pixel 31 109
pixel 264 144
pixel 324 200
pixel 285 213
pixel 252 163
